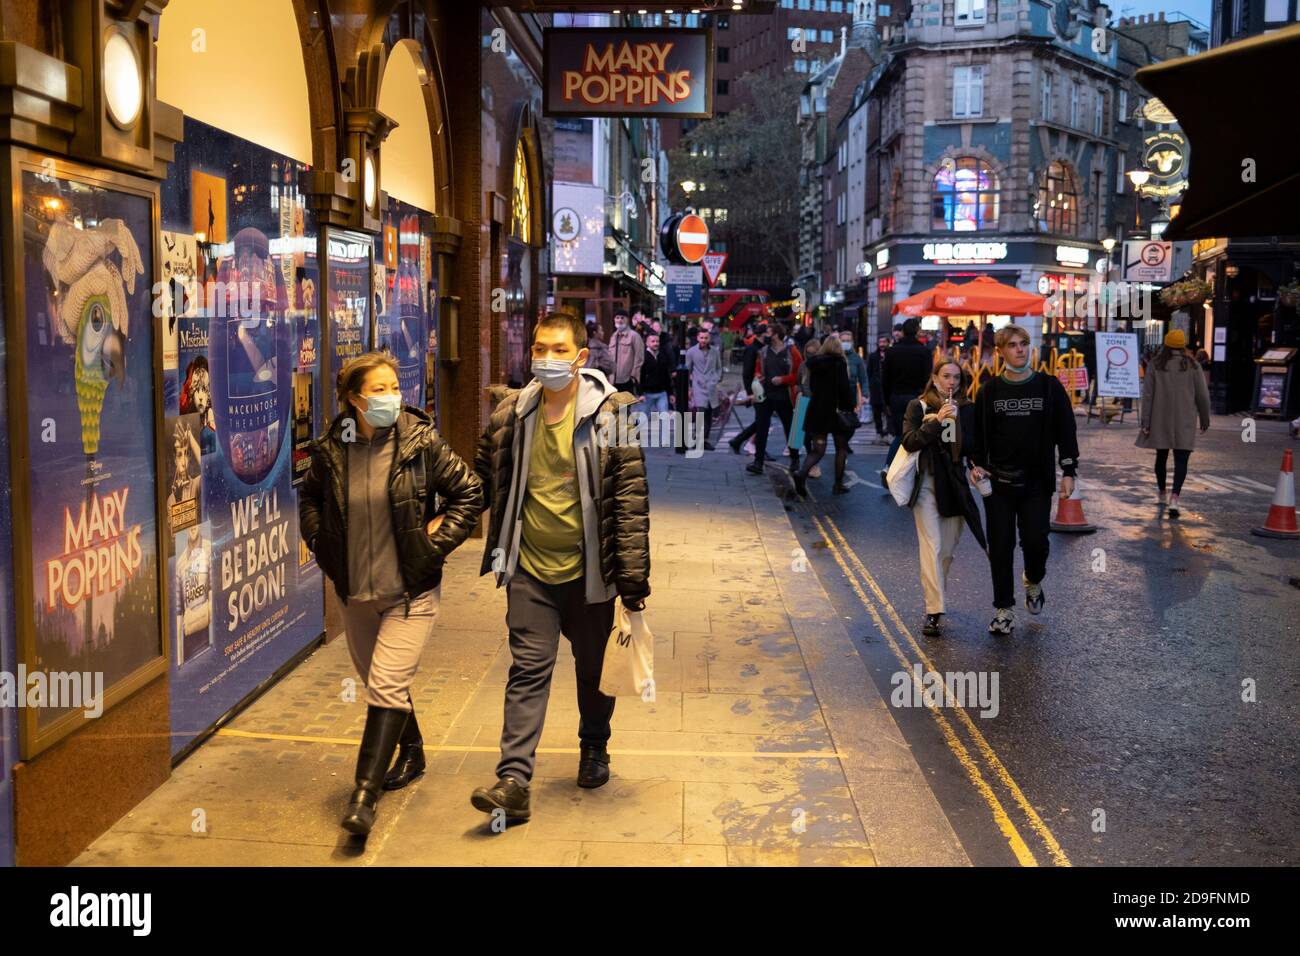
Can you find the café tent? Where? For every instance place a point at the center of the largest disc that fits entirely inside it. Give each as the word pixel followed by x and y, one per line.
pixel 922 303
pixel 986 296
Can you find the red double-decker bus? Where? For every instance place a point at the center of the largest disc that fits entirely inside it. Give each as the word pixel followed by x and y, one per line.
pixel 737 306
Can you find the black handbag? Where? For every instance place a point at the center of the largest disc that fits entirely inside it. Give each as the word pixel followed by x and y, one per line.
pixel 848 421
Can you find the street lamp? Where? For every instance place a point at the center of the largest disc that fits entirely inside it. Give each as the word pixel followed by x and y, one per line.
pixel 1108 244
pixel 688 186
pixel 1138 177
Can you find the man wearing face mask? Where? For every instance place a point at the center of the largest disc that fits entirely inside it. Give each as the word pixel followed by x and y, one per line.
pixel 628 350
pixel 568 533
pixel 384 502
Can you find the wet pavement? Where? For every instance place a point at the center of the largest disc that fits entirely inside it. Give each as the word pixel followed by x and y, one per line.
pixel 1122 735
pixel 767 743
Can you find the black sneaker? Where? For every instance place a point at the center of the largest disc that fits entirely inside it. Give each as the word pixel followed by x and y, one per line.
pixel 1003 621
pixel 507 795
pixel 800 486
pixel 754 468
pixel 931 626
pixel 734 446
pixel 1034 596
pixel 840 489
pixel 884 480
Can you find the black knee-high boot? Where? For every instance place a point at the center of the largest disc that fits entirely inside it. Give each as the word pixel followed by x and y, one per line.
pixel 410 756
pixel 378 741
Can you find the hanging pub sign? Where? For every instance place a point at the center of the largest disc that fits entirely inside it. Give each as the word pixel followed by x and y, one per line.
pixel 1165 156
pixel 617 72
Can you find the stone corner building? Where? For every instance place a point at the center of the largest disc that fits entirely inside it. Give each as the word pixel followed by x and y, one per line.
pixel 990 150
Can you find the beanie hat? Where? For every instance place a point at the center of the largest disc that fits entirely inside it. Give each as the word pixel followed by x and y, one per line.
pixel 1176 339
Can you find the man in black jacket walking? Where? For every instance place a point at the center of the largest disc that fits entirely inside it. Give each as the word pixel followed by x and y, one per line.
pixel 1021 418
pixel 906 372
pixel 569 532
pixel 748 366
pixel 656 376
pixel 875 373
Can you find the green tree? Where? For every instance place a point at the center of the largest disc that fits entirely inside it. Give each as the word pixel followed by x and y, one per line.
pixel 748 163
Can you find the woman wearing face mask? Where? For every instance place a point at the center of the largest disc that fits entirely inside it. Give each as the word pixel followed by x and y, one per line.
pixel 383 504
pixel 935 425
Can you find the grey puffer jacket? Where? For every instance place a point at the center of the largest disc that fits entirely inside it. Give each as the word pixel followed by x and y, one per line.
pixel 615 518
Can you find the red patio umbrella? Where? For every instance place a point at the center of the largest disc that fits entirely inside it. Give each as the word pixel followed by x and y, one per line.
pixel 923 303
pixel 986 296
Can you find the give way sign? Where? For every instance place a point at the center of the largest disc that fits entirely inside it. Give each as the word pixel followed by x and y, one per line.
pixel 713 263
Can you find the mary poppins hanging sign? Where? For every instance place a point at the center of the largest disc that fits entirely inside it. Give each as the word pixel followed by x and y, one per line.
pixel 614 72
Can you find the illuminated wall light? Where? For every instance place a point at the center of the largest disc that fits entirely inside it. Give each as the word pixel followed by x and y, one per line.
pixel 371 187
pixel 123 84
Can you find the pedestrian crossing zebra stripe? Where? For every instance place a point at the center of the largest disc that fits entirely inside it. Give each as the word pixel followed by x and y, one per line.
pixel 1255 484
pixel 1229 484
pixel 1214 484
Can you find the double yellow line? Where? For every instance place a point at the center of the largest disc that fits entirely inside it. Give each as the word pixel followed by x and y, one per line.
pixel 881 610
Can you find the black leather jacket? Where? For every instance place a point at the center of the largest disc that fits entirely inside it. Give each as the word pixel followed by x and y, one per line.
pixel 427 479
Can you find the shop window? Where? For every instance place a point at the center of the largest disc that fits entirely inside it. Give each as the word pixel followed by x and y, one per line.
pixel 1056 209
pixel 965 196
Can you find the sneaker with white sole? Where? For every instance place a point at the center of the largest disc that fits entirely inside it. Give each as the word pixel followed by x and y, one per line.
pixel 1034 596
pixel 1003 621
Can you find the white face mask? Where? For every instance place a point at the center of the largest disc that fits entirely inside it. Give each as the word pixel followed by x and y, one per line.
pixel 554 374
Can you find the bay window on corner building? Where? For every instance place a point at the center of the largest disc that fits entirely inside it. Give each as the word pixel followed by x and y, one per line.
pixel 974 179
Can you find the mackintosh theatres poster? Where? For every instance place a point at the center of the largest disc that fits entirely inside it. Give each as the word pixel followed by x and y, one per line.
pixel 246 595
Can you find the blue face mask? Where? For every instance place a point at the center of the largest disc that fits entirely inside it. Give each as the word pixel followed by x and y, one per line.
pixel 554 374
pixel 382 410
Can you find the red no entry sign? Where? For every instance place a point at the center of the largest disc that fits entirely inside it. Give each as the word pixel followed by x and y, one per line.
pixel 692 238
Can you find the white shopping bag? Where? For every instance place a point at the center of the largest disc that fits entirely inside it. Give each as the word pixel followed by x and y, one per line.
pixel 629 668
pixel 901 476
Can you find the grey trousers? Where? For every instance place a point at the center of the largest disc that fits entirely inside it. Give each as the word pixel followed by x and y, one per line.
pixel 385 644
pixel 536 614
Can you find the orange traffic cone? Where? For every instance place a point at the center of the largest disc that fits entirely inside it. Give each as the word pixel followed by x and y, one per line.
pixel 1281 514
pixel 1069 514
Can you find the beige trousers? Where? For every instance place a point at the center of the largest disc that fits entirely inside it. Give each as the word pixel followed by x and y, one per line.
pixel 937 537
pixel 385 644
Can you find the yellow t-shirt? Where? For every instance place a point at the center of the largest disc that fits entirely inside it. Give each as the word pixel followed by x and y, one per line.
pixel 550 547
